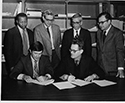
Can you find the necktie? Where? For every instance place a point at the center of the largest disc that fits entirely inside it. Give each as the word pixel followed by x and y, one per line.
pixel 48 31
pixel 76 62
pixel 25 43
pixel 76 36
pixel 104 36
pixel 36 69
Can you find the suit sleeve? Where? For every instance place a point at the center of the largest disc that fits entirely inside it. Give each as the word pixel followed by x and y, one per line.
pixel 119 42
pixel 88 44
pixel 8 48
pixel 96 69
pixel 18 69
pixel 65 46
pixel 48 67
pixel 37 35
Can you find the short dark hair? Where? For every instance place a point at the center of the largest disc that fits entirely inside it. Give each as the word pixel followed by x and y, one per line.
pixel 79 42
pixel 36 46
pixel 106 14
pixel 20 15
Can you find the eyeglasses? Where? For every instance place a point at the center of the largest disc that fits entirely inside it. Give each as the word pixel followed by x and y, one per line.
pixel 76 22
pixel 102 22
pixel 74 51
pixel 49 19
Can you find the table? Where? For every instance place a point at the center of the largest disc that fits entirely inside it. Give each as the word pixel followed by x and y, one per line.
pixel 20 90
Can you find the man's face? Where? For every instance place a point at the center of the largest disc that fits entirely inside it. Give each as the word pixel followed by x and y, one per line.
pixel 75 52
pixel 22 22
pixel 77 23
pixel 104 23
pixel 36 54
pixel 48 19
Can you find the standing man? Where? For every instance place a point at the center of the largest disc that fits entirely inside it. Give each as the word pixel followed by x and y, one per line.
pixel 75 32
pixel 49 35
pixel 17 41
pixel 110 44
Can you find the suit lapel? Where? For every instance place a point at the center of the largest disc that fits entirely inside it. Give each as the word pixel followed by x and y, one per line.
pixel 45 33
pixel 109 34
pixel 29 65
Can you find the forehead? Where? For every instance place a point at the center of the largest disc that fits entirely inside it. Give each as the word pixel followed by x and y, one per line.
pixel 76 19
pixel 74 46
pixel 49 17
pixel 102 18
pixel 22 18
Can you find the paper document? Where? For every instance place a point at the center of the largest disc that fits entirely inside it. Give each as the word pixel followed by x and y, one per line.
pixel 80 82
pixel 47 82
pixel 103 83
pixel 64 85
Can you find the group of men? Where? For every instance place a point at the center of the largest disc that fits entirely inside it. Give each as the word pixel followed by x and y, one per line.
pixel 42 55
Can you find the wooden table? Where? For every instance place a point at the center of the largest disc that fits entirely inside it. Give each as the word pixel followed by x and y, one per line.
pixel 20 90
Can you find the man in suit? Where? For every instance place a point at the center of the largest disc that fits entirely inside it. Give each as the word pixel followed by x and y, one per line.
pixel 17 41
pixel 110 44
pixel 79 65
pixel 34 65
pixel 76 32
pixel 49 35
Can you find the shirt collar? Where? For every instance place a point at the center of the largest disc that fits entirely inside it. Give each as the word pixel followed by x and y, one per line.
pixel 108 30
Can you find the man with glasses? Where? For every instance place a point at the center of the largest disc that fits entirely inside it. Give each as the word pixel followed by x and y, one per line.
pixel 75 32
pixel 110 44
pixel 49 35
pixel 79 65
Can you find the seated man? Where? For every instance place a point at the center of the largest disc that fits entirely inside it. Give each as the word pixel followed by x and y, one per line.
pixel 79 65
pixel 33 66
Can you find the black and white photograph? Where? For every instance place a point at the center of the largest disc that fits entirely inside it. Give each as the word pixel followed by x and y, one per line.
pixel 62 50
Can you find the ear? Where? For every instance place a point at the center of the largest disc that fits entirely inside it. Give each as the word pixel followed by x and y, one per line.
pixel 81 23
pixel 81 51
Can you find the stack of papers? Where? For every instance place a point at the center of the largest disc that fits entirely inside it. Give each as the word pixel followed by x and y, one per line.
pixel 79 82
pixel 64 85
pixel 47 82
pixel 103 83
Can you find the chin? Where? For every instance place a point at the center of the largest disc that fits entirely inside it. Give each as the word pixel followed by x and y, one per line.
pixel 72 57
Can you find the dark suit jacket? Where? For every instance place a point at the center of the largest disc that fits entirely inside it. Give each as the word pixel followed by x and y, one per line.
pixel 13 46
pixel 87 66
pixel 67 40
pixel 41 34
pixel 111 52
pixel 25 66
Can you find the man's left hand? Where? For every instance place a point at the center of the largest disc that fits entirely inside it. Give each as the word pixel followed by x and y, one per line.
pixel 120 74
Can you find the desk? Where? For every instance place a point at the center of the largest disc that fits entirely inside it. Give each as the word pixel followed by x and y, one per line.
pixel 20 90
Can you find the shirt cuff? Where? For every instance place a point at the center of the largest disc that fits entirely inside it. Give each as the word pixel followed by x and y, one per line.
pixel 120 68
pixel 48 75
pixel 20 76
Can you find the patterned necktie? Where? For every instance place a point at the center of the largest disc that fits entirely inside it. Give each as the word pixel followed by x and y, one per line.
pixel 48 31
pixel 104 36
pixel 36 69
pixel 25 43
pixel 76 36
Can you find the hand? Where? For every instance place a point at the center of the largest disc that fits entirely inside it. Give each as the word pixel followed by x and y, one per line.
pixel 91 77
pixel 71 78
pixel 64 77
pixel 41 78
pixel 120 74
pixel 27 78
